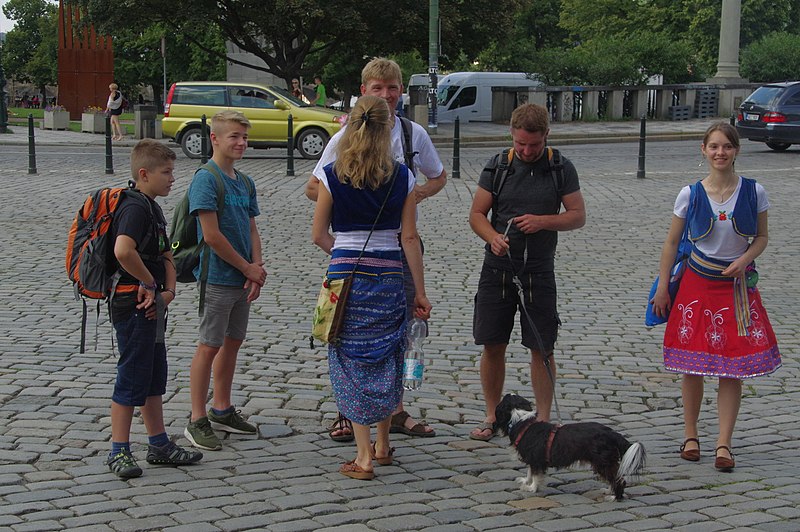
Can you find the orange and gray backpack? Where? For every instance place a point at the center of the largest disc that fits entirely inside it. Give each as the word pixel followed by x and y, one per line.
pixel 90 261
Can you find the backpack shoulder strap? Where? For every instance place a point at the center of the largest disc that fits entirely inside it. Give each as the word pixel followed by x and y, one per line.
pixel 212 169
pixel 408 145
pixel 556 165
pixel 499 177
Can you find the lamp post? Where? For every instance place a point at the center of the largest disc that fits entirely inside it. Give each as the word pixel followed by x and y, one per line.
pixel 3 108
pixel 433 63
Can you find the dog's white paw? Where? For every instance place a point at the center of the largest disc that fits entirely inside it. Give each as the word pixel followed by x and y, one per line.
pixel 525 485
pixel 609 498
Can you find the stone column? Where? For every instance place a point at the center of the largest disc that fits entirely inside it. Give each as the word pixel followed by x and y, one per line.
pixel 728 64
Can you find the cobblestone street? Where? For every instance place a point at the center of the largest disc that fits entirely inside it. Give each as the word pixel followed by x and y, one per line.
pixel 54 402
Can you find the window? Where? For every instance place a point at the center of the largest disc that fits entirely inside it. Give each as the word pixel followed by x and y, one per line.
pixel 252 98
pixel 793 99
pixel 465 98
pixel 199 95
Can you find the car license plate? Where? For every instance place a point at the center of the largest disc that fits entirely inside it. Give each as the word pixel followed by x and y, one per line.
pixel 751 117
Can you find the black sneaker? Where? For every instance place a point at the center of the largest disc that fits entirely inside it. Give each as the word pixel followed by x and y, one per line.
pixel 172 454
pixel 124 465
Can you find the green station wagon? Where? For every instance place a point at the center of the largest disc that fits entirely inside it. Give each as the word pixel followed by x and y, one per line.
pixel 267 107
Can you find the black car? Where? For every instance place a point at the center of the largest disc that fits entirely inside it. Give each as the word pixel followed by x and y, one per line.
pixel 772 115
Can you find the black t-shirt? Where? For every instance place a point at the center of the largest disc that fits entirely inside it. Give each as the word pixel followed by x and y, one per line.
pixel 141 219
pixel 530 188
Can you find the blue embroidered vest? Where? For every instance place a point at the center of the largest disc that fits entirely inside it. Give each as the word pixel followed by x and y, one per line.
pixel 355 209
pixel 744 216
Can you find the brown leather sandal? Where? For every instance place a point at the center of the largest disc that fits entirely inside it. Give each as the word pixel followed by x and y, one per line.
pixel 693 455
pixel 344 427
pixel 353 470
pixel 398 424
pixel 383 460
pixel 723 463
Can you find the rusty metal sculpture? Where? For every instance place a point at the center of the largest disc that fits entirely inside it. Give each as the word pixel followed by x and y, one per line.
pixel 85 62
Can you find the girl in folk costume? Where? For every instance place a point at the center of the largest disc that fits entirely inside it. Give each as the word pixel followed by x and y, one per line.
pixel 717 325
pixel 366 363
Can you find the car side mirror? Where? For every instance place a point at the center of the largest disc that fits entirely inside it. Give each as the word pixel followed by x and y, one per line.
pixel 283 106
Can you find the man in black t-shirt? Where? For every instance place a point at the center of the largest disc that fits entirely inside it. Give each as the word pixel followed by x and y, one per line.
pixel 524 228
pixel 138 307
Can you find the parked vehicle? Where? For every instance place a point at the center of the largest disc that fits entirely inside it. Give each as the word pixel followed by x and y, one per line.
pixel 771 114
pixel 468 95
pixel 267 108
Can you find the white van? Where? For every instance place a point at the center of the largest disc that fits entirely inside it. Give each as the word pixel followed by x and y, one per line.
pixel 468 95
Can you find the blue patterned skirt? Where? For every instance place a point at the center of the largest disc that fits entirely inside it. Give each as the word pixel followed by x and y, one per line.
pixel 366 365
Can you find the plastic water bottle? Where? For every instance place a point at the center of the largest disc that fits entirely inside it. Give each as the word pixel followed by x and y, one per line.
pixel 414 363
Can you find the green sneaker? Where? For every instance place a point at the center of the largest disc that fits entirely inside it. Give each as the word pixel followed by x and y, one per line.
pixel 201 435
pixel 172 455
pixel 232 422
pixel 124 465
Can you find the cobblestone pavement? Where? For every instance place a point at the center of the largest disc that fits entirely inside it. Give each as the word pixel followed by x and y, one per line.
pixel 54 402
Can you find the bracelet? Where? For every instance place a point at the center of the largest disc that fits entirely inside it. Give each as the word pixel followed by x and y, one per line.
pixel 149 287
pixel 171 291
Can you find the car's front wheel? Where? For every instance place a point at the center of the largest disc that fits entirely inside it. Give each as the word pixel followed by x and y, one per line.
pixel 191 143
pixel 778 146
pixel 311 142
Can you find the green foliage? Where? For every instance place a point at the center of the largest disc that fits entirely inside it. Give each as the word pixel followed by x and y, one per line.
pixel 776 57
pixel 30 52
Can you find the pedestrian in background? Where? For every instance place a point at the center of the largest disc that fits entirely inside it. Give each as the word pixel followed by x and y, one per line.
pixel 114 110
pixel 717 324
pixel 366 364
pixel 321 95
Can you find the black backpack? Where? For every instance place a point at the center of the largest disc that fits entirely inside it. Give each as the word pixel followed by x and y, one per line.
pixel 408 146
pixel 501 171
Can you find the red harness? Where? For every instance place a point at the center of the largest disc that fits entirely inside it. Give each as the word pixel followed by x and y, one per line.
pixel 550 438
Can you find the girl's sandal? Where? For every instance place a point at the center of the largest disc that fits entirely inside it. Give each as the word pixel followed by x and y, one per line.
pixel 692 455
pixel 353 470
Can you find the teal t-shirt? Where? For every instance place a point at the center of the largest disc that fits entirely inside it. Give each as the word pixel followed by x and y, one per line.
pixel 234 223
pixel 322 97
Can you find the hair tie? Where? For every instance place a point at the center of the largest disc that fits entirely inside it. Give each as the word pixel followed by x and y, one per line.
pixel 365 117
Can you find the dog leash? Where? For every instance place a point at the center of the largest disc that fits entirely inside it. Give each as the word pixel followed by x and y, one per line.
pixel 521 294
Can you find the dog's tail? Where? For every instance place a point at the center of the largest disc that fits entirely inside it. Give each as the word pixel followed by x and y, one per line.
pixel 632 462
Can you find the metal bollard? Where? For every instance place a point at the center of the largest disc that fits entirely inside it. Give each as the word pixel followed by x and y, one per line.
pixel 203 140
pixel 642 143
pixel 109 157
pixel 31 147
pixel 290 147
pixel 457 149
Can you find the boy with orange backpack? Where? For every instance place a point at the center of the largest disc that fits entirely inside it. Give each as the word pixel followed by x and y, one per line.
pixel 146 285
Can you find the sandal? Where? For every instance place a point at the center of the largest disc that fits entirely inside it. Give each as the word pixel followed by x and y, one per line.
pixel 692 455
pixel 478 433
pixel 723 463
pixel 398 424
pixel 383 460
pixel 353 470
pixel 343 427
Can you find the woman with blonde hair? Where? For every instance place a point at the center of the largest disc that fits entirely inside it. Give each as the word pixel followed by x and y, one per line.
pixel 114 109
pixel 365 199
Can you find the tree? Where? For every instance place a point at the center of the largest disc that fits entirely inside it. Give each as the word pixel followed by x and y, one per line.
pixel 30 52
pixel 776 57
pixel 138 61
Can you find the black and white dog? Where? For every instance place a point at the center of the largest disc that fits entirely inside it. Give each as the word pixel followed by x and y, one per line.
pixel 540 445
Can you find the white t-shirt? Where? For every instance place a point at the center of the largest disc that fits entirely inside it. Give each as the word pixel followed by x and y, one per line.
pixel 426 161
pixel 723 243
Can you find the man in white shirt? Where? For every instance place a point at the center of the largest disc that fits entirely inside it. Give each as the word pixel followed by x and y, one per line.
pixel 383 78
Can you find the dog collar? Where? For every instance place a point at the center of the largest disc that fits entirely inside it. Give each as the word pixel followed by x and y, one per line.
pixel 526 424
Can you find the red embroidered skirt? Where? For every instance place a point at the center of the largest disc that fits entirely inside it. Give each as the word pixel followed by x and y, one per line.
pixel 701 337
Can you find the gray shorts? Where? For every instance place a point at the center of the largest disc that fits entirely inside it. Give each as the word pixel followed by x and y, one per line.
pixel 225 314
